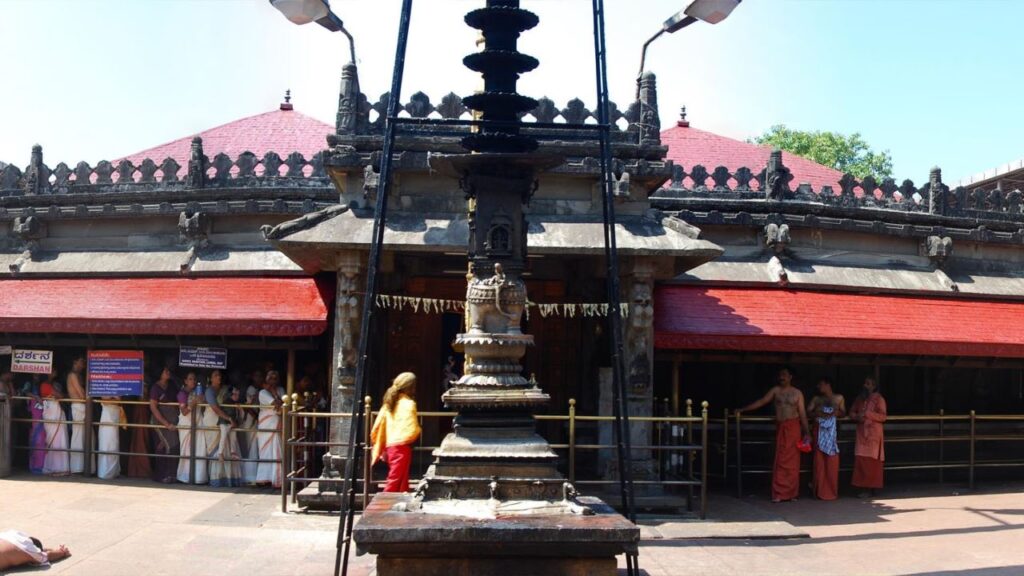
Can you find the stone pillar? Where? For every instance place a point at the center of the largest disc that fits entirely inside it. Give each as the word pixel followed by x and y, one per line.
pixel 347 316
pixel 638 347
pixel 650 120
pixel 639 350
pixel 347 120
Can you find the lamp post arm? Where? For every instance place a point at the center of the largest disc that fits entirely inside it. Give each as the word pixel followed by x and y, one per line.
pixel 643 60
pixel 351 44
pixel 670 27
pixel 335 24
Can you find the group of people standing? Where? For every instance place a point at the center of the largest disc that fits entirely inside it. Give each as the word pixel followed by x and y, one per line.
pixel 794 435
pixel 57 436
pixel 235 443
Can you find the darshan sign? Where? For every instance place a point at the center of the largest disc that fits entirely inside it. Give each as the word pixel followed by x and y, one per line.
pixel 115 373
pixel 32 361
pixel 198 357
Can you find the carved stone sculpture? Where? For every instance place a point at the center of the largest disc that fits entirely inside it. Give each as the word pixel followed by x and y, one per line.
pixel 939 248
pixel 776 237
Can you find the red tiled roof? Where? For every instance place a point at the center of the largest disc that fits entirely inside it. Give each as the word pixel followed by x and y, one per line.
pixel 777 320
pixel 689 147
pixel 176 306
pixel 281 131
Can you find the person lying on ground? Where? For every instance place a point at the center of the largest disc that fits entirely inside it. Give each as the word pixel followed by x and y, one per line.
pixel 20 549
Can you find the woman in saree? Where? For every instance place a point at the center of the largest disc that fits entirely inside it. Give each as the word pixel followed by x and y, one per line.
pixel 112 417
pixel 396 430
pixel 57 461
pixel 268 435
pixel 138 439
pixel 37 434
pixel 221 443
pixel 247 438
pixel 163 406
pixel 188 401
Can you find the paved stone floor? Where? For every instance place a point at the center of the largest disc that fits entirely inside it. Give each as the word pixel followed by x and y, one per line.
pixel 134 527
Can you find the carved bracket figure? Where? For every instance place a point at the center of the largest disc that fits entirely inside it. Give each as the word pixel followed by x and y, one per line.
pixel 938 248
pixel 776 237
pixel 29 230
pixel 193 231
pixel 621 189
pixel 371 181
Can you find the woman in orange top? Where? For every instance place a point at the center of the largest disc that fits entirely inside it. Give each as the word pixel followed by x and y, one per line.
pixel 395 430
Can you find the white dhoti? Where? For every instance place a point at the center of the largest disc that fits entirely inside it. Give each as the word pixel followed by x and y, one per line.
pixel 185 462
pixel 247 440
pixel 226 462
pixel 77 456
pixel 269 443
pixel 24 542
pixel 56 429
pixel 211 439
pixel 109 465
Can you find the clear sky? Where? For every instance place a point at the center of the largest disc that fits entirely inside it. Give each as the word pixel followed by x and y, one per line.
pixel 936 82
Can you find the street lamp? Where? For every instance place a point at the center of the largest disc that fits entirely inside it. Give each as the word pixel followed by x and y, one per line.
pixel 319 11
pixel 710 11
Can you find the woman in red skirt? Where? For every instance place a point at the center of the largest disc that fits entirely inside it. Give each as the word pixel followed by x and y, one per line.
pixel 395 430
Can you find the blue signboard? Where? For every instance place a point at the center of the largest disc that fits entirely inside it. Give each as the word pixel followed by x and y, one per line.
pixel 115 373
pixel 198 357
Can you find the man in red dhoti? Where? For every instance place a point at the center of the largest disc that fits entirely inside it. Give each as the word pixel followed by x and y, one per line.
pixel 826 408
pixel 790 430
pixel 869 411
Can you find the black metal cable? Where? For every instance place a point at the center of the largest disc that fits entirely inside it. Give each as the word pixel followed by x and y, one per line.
pixel 347 507
pixel 621 403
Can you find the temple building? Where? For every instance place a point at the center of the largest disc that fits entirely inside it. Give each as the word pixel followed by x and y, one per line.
pixel 735 259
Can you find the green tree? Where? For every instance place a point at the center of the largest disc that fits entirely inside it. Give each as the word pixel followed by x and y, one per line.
pixel 844 153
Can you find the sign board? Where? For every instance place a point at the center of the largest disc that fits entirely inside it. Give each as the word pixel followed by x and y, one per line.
pixel 198 357
pixel 115 373
pixel 6 350
pixel 32 361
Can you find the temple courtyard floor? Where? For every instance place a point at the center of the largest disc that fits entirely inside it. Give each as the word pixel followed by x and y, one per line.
pixel 132 527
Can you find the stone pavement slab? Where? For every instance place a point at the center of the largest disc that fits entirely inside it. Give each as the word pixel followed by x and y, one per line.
pixel 133 527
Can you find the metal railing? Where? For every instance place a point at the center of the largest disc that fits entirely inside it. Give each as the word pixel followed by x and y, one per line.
pixel 689 470
pixel 89 451
pixel 944 433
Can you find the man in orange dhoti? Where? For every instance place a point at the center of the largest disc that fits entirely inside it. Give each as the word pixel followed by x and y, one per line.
pixel 826 408
pixel 869 411
pixel 790 430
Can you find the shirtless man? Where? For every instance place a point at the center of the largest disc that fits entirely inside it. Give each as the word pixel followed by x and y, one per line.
pixel 76 391
pixel 790 429
pixel 19 549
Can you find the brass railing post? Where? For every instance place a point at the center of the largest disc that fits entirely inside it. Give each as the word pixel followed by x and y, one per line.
pixel 309 434
pixel 87 437
pixel 572 440
pixel 739 455
pixel 367 450
pixel 689 454
pixel 285 472
pixel 725 444
pixel 970 479
pixel 704 460
pixel 293 460
pixel 942 444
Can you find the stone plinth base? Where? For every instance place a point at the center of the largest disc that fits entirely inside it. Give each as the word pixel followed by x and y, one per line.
pixel 445 545
pixel 521 566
